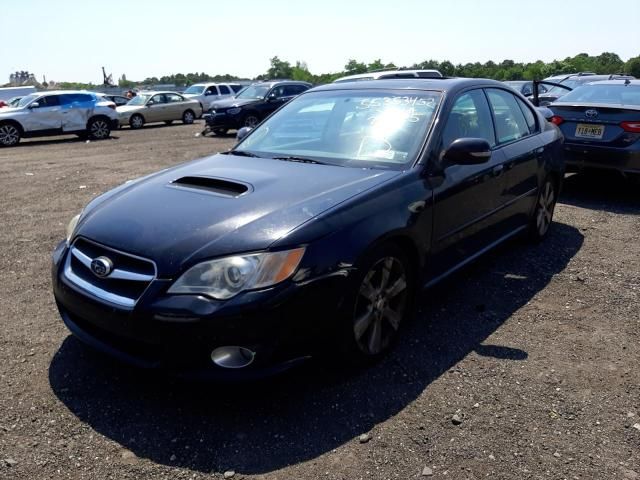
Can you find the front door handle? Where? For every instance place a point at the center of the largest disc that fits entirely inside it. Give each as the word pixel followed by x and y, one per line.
pixel 497 170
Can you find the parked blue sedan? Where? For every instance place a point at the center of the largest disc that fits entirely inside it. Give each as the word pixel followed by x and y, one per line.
pixel 314 234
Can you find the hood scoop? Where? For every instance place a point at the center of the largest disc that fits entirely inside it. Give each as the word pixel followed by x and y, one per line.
pixel 217 186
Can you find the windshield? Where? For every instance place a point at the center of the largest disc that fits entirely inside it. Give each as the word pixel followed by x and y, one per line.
pixel 139 100
pixel 254 91
pixel 366 128
pixel 195 89
pixel 617 94
pixel 28 99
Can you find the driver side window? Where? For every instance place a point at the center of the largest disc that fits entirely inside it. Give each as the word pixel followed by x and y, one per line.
pixel 469 118
pixel 156 99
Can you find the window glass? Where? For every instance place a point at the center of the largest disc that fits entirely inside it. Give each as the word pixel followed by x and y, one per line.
pixel 509 119
pixel 291 90
pixel 212 90
pixel 383 128
pixel 528 115
pixel 236 88
pixel 469 118
pixel 49 101
pixel 69 98
pixel 617 94
pixel 160 98
pixel 173 98
pixel 195 89
pixel 277 92
pixel 224 90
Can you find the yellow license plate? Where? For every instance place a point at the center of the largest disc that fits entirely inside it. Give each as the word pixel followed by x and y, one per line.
pixel 585 130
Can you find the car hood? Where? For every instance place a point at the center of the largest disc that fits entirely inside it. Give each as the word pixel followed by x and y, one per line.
pixel 177 225
pixel 235 102
pixel 9 110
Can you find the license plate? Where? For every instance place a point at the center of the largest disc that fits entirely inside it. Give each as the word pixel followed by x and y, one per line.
pixel 585 130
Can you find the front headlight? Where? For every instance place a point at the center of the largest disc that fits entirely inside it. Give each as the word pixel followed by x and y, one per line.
pixel 71 228
pixel 234 111
pixel 226 277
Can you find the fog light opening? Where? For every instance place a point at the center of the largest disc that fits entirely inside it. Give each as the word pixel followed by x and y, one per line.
pixel 232 357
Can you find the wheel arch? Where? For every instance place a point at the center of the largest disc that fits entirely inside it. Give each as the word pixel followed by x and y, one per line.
pixel 96 117
pixel 15 123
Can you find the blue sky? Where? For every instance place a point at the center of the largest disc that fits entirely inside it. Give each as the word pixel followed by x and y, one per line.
pixel 71 39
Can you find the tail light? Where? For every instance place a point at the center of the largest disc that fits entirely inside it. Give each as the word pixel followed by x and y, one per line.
pixel 633 127
pixel 556 120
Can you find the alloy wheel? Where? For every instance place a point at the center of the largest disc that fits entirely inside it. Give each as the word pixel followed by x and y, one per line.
pixel 545 207
pixel 100 129
pixel 9 135
pixel 251 121
pixel 381 304
pixel 136 121
pixel 188 117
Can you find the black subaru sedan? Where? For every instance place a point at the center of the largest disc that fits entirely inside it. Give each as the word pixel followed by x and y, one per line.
pixel 314 234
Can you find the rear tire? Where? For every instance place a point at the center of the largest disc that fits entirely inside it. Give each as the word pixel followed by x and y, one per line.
pixel 542 217
pixel 188 117
pixel 98 129
pixel 9 135
pixel 136 121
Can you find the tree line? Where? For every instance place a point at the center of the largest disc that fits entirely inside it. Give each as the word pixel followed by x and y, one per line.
pixel 604 63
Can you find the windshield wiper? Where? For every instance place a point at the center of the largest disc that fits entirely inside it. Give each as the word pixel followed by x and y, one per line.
pixel 240 153
pixel 294 158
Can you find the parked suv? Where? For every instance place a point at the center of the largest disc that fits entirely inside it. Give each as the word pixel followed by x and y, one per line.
pixel 57 113
pixel 207 93
pixel 252 105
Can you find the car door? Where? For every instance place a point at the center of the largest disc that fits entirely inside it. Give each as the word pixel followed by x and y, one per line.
pixel 211 95
pixel 274 100
pixel 466 197
pixel 75 108
pixel 156 110
pixel 45 117
pixel 225 91
pixel 175 106
pixel 517 134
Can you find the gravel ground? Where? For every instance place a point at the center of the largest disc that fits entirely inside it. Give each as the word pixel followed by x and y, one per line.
pixel 524 365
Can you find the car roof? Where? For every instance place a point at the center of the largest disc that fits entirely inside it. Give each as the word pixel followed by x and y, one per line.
pixel 443 84
pixel 618 81
pixel 382 73
pixel 61 92
pixel 155 92
pixel 209 84
pixel 273 83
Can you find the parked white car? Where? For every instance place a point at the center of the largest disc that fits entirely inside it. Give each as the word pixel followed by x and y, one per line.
pixel 207 93
pixel 385 74
pixel 57 113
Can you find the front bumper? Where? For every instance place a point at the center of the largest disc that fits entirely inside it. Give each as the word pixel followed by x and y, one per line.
pixel 283 325
pixel 223 120
pixel 624 160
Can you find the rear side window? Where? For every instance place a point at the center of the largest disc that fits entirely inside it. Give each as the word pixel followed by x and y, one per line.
pixel 236 88
pixel 528 116
pixel 469 118
pixel 509 119
pixel 49 101
pixel 70 98
pixel 291 90
pixel 224 90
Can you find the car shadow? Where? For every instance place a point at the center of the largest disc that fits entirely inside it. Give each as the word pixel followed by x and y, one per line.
pixel 607 191
pixel 152 126
pixel 60 141
pixel 264 426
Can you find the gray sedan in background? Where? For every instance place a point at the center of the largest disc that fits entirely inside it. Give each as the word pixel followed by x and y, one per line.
pixel 153 107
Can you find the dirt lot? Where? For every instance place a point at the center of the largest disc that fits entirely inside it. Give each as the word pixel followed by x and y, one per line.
pixel 535 348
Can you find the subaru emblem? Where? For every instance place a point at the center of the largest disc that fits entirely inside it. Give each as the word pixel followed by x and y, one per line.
pixel 591 113
pixel 101 267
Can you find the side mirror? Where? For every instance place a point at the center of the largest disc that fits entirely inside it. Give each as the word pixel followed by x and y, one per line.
pixel 243 132
pixel 468 151
pixel 272 97
pixel 34 105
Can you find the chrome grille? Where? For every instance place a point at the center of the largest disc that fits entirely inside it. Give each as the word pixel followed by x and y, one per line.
pixel 123 286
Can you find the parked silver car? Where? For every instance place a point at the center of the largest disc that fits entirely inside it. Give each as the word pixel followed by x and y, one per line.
pixel 207 93
pixel 57 113
pixel 151 107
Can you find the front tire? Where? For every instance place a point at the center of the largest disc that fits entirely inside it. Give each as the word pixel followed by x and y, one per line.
pixel 136 121
pixel 188 117
pixel 380 301
pixel 251 120
pixel 542 217
pixel 98 129
pixel 9 135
